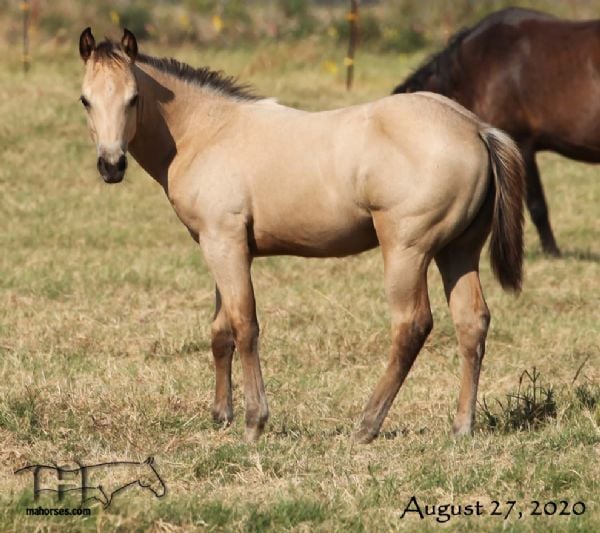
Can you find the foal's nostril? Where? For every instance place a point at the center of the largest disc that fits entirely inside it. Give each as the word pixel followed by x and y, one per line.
pixel 101 165
pixel 122 163
pixel 112 172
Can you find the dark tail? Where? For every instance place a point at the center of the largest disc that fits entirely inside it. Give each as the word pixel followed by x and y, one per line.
pixel 506 243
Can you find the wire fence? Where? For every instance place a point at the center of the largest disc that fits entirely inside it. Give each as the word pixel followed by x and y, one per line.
pixel 387 25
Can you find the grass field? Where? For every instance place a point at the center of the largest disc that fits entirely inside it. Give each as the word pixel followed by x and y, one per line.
pixel 105 306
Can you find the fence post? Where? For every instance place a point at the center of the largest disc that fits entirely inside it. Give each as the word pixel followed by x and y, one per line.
pixel 25 9
pixel 349 59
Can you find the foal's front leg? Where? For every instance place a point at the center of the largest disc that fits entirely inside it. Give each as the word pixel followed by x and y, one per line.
pixel 222 348
pixel 226 252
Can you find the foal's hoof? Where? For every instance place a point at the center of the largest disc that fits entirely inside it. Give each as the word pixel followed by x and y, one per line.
pixel 222 417
pixel 364 436
pixel 461 430
pixel 253 433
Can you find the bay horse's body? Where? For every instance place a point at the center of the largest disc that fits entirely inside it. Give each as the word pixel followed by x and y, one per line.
pixel 248 177
pixel 536 77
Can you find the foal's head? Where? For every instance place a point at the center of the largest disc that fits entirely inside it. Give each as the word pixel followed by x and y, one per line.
pixel 109 96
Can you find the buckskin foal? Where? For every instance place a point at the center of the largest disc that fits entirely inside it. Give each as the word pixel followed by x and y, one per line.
pixel 417 174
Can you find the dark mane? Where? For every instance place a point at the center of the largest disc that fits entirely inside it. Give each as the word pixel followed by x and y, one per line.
pixel 108 49
pixel 203 77
pixel 444 66
pixel 439 65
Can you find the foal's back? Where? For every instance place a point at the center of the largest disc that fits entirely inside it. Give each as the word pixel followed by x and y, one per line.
pixel 313 180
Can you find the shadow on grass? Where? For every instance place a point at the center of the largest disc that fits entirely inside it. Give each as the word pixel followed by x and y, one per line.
pixel 394 433
pixel 579 255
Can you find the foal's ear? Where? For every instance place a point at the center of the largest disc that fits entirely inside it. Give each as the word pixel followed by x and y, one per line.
pixel 87 43
pixel 129 43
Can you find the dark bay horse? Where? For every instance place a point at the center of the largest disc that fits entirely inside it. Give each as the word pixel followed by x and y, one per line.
pixel 536 77
pixel 418 174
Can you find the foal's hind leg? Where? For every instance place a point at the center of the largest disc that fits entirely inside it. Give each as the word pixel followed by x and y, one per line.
pixel 460 274
pixel 222 348
pixel 406 290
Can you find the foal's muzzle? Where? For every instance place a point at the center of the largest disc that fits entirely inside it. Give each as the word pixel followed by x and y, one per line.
pixel 112 172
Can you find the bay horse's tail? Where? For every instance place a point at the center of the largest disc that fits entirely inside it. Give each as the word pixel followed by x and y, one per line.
pixel 506 242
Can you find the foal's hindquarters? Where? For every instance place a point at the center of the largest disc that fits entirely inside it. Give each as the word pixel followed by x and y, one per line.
pixel 447 218
pixel 433 180
pixel 405 271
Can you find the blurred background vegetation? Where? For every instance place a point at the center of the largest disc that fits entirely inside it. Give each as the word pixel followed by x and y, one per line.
pixel 401 26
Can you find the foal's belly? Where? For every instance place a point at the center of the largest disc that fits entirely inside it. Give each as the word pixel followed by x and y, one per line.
pixel 313 239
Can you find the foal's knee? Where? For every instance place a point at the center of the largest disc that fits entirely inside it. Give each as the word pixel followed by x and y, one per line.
pixel 245 335
pixel 221 337
pixel 423 325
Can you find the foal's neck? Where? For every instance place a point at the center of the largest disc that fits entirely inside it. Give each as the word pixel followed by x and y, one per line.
pixel 175 121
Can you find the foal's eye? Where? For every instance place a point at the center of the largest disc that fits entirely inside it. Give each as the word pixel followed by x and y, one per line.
pixel 85 102
pixel 133 100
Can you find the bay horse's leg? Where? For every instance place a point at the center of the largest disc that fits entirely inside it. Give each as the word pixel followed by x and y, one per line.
pixel 536 203
pixel 406 291
pixel 471 317
pixel 226 252
pixel 222 348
